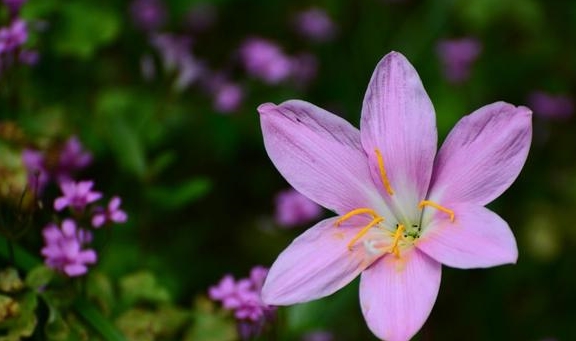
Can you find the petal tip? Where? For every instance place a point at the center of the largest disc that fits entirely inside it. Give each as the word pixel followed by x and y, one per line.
pixel 265 108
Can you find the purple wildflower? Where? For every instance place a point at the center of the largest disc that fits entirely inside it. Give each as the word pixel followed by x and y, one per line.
pixel 176 55
pixel 403 207
pixel 76 195
pixel 71 158
pixel 29 57
pixel 243 297
pixel 293 208
pixel 304 68
pixel 64 251
pixel 113 213
pixel 13 36
pixel 265 60
pixel 556 107
pixel 315 24
pixel 148 15
pixel 457 57
pixel 14 5
pixel 38 175
pixel 228 97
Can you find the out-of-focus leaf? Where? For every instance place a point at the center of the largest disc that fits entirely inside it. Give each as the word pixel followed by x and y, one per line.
pixel 164 323
pixel 142 286
pixel 99 289
pixel 21 320
pixel 209 324
pixel 39 277
pixel 98 322
pixel 84 27
pixel 10 280
pixel 180 195
pixel 56 329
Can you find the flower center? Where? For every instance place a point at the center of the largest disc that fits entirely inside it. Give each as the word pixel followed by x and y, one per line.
pixel 390 240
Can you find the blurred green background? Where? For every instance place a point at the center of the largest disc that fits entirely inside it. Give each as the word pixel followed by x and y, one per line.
pixel 197 183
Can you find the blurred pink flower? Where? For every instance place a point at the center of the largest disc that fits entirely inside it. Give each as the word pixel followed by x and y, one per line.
pixel 148 15
pixel 318 336
pixel 112 214
pixel 14 5
pixel 293 208
pixel 403 210
pixel 548 106
pixel 228 97
pixel 243 297
pixel 315 24
pixel 457 57
pixel 304 68
pixel 265 60
pixel 64 248
pixel 13 36
pixel 76 195
pixel 72 158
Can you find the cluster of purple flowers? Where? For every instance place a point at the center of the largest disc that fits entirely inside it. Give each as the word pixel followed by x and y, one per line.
pixel 548 106
pixel 12 39
pixel 261 58
pixel 243 298
pixel 66 246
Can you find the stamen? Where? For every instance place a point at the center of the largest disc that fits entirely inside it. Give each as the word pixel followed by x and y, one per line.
pixel 438 207
pixel 383 175
pixel 397 236
pixel 364 231
pixel 356 212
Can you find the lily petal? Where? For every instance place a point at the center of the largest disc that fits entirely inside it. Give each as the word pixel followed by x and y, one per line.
pixel 319 154
pixel 398 119
pixel 316 264
pixel 478 238
pixel 397 294
pixel 482 155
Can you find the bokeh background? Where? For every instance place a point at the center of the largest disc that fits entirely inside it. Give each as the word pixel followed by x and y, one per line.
pixel 163 96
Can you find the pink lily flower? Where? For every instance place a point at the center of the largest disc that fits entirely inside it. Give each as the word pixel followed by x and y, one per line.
pixel 403 210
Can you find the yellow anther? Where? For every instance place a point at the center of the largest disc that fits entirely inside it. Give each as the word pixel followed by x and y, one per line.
pixel 364 230
pixel 397 236
pixel 383 175
pixel 438 207
pixel 356 212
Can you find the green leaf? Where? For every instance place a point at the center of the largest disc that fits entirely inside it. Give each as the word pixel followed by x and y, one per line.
pixel 209 324
pixel 10 280
pixel 85 27
pixel 183 194
pixel 142 286
pixel 98 322
pixel 39 277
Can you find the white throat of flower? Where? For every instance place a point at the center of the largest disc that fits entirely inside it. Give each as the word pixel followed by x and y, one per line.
pixel 385 236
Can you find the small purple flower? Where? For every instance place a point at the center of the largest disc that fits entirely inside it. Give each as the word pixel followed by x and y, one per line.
pixel 64 251
pixel 113 213
pixel 548 106
pixel 457 57
pixel 228 97
pixel 293 208
pixel 38 175
pixel 176 55
pixel 76 195
pixel 29 57
pixel 304 68
pixel 14 5
pixel 71 158
pixel 148 15
pixel 13 37
pixel 243 297
pixel 265 60
pixel 315 24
